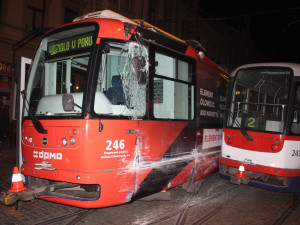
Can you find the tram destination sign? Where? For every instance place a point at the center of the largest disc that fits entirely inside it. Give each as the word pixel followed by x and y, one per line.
pixel 69 46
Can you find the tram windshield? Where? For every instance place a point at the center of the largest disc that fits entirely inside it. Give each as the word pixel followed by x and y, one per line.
pixel 60 67
pixel 259 99
pixel 122 79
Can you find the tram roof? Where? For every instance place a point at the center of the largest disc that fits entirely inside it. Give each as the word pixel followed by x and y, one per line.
pixel 105 14
pixel 148 29
pixel 294 66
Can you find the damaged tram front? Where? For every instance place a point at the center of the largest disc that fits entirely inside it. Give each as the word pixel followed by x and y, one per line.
pixel 111 115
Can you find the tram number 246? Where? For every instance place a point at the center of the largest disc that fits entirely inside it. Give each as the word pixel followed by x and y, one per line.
pixel 296 153
pixel 117 144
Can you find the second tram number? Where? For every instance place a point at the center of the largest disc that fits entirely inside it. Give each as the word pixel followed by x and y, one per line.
pixel 296 153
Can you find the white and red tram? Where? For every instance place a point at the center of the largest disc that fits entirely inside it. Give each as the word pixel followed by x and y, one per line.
pixel 262 126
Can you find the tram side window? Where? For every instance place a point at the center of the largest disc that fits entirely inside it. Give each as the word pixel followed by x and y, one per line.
pixel 173 91
pixel 295 128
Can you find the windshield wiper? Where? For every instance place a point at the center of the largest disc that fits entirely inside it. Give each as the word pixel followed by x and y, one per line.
pixel 242 129
pixel 36 123
pixel 246 135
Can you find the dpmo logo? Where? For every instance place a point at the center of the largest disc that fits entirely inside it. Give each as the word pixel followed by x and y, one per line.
pixel 47 155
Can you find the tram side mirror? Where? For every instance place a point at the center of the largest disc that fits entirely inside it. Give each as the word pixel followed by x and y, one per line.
pixel 139 64
pixel 139 60
pixel 68 102
pixel 106 49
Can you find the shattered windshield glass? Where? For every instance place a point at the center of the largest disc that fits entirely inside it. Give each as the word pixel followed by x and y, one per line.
pixel 60 67
pixel 260 98
pixel 121 84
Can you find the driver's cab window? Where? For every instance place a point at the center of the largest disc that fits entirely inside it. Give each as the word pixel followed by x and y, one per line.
pixel 122 80
pixel 295 128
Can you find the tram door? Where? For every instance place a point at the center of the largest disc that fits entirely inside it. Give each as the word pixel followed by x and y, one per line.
pixel 22 68
pixel 295 127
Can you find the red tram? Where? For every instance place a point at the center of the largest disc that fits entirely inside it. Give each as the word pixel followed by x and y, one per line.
pixel 117 109
pixel 262 127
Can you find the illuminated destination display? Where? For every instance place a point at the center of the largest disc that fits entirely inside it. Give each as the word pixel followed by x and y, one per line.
pixel 69 45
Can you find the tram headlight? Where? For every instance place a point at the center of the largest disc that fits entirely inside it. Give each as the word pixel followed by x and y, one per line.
pixel 30 140
pixel 72 140
pixel 25 138
pixel 229 141
pixel 64 142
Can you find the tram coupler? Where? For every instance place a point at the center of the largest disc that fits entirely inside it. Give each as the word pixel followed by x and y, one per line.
pixel 239 180
pixel 10 198
pixel 7 198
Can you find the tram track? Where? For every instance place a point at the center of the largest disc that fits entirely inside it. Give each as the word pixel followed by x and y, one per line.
pixel 183 213
pixel 287 213
pixel 79 215
pixel 222 205
pixel 213 212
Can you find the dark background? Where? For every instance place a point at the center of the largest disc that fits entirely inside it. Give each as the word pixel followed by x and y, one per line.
pixel 273 25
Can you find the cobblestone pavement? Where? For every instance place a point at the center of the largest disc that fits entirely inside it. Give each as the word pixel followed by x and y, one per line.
pixel 217 202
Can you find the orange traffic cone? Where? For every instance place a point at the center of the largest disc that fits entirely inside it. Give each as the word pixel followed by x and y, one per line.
pixel 241 172
pixel 17 183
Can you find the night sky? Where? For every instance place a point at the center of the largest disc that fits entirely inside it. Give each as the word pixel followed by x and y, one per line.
pixel 273 25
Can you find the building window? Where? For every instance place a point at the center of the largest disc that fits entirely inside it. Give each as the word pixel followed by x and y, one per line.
pixel 0 9
pixel 36 17
pixel 126 4
pixel 70 15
